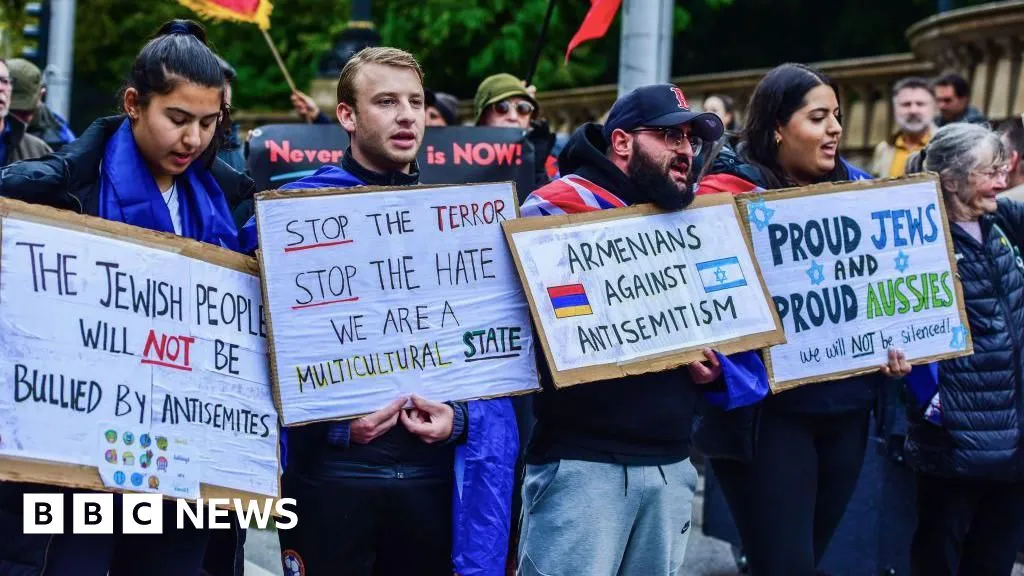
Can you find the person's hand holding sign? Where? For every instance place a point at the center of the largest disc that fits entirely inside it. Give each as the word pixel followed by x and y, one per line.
pixel 373 426
pixel 701 373
pixel 898 367
pixel 431 421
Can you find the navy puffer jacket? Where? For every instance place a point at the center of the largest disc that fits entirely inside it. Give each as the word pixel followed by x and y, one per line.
pixel 982 409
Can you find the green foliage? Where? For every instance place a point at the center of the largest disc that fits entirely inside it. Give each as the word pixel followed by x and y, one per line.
pixel 13 20
pixel 459 42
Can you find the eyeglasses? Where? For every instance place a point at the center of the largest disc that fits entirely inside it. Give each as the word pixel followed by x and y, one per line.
pixel 523 108
pixel 995 172
pixel 675 137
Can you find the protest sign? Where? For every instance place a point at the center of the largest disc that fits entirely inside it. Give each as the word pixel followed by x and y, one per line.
pixel 636 290
pixel 281 153
pixel 131 360
pixel 374 294
pixel 855 270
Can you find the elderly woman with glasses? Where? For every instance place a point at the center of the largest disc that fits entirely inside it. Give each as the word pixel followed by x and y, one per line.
pixel 967 414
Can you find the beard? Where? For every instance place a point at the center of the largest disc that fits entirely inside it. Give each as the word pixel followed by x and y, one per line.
pixel 914 124
pixel 655 182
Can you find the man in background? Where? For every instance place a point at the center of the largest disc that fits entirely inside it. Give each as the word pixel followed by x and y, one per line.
pixel 913 106
pixel 1012 134
pixel 27 105
pixel 953 97
pixel 442 108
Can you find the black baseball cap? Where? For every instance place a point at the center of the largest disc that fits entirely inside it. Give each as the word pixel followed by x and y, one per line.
pixel 660 105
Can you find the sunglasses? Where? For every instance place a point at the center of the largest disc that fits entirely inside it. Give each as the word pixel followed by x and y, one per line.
pixel 523 108
pixel 676 139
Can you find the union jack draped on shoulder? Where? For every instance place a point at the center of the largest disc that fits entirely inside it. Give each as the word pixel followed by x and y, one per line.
pixel 570 194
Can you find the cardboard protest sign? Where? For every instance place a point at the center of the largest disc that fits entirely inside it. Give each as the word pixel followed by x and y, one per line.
pixel 131 360
pixel 374 294
pixel 854 270
pixel 281 153
pixel 637 290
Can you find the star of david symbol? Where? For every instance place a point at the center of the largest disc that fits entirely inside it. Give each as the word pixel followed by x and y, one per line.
pixel 759 214
pixel 816 273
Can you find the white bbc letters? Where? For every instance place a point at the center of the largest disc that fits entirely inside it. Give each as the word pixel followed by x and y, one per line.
pixel 142 514
pixel 93 514
pixel 43 514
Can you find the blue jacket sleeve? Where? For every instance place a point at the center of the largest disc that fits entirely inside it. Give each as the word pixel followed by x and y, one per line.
pixel 922 383
pixel 745 381
pixel 248 240
pixel 482 499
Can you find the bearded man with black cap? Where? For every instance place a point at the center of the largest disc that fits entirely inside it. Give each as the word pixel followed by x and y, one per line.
pixel 608 481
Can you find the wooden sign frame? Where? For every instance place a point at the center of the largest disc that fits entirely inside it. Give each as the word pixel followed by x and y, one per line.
pixel 292 194
pixel 18 469
pixel 744 200
pixel 654 362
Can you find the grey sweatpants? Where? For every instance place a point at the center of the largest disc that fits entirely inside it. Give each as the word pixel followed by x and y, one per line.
pixel 605 519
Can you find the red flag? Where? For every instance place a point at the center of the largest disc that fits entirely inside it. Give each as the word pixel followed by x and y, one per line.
pixel 595 24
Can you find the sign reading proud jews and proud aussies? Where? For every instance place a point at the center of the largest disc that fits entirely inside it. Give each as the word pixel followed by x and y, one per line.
pixel 855 270
pixel 131 360
pixel 637 290
pixel 375 294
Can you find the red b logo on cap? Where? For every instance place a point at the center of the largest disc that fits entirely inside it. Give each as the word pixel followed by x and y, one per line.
pixel 680 98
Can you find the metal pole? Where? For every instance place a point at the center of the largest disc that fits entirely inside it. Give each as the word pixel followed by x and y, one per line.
pixel 645 54
pixel 60 56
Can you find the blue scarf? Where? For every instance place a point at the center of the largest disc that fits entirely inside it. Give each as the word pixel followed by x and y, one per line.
pixel 128 193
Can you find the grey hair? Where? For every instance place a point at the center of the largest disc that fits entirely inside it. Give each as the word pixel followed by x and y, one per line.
pixel 954 152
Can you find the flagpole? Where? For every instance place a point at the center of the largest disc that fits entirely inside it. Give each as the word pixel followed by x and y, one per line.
pixel 540 42
pixel 280 63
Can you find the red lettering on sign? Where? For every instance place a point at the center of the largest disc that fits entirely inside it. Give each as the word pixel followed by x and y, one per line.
pixel 168 351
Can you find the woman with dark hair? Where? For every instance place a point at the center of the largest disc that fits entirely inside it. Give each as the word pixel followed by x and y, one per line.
pixel 724 107
pixel 965 438
pixel 788 493
pixel 155 167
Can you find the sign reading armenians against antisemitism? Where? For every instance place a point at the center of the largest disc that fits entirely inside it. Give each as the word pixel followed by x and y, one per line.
pixel 375 294
pixel 638 290
pixel 134 354
pixel 855 270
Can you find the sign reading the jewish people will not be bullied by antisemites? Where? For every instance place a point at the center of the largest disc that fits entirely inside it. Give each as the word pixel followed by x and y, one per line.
pixel 131 360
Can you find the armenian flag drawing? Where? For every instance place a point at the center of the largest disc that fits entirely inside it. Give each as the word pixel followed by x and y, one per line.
pixel 570 300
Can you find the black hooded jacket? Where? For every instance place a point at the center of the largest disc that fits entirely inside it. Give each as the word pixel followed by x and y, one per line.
pixel 643 419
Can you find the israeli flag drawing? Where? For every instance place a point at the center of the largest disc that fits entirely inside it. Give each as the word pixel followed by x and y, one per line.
pixel 721 274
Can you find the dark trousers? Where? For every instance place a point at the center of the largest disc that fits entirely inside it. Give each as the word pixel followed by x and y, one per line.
pixel 368 527
pixel 173 553
pixel 788 501
pixel 967 527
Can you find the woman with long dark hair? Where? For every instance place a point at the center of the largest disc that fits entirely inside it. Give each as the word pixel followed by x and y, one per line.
pixel 155 167
pixel 788 493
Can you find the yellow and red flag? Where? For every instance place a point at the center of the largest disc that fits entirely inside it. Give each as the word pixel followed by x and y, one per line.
pixel 252 11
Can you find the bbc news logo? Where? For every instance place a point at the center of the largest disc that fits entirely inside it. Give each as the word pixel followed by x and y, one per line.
pixel 144 513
